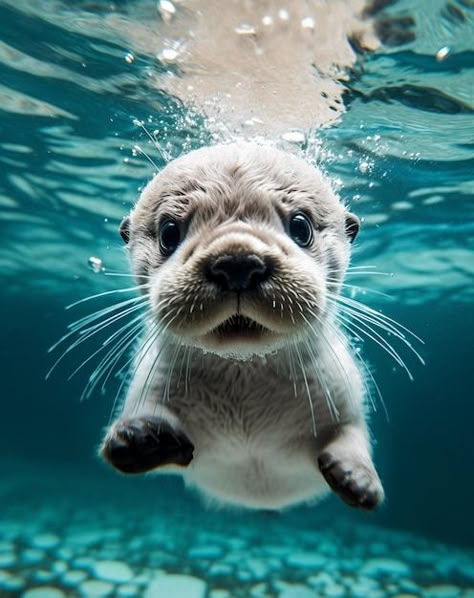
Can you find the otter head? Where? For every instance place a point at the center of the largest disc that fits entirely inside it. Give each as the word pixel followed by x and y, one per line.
pixel 241 246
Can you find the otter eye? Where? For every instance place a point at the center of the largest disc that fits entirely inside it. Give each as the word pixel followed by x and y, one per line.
pixel 170 236
pixel 301 230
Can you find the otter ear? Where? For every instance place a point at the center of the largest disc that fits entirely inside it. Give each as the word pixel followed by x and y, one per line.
pixel 352 226
pixel 124 229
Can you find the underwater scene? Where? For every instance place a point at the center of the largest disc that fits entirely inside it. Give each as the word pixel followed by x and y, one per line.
pixel 96 97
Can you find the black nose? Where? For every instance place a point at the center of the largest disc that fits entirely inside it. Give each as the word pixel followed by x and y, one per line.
pixel 237 272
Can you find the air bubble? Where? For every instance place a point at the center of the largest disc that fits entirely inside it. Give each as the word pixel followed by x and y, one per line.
pixel 283 15
pixel 308 23
pixel 365 166
pixel 267 20
pixel 167 10
pixel 168 55
pixel 294 136
pixel 129 57
pixel 245 29
pixel 95 264
pixel 442 53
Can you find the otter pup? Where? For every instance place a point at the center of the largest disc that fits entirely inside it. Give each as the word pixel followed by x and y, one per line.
pixel 244 383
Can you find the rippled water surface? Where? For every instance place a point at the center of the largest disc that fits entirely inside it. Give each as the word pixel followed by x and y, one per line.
pixel 79 90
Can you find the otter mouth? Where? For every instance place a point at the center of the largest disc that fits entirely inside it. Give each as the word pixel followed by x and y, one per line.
pixel 238 326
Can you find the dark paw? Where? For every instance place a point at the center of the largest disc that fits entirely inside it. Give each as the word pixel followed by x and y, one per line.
pixel 357 484
pixel 140 444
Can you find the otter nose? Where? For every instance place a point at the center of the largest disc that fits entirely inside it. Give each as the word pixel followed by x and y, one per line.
pixel 238 272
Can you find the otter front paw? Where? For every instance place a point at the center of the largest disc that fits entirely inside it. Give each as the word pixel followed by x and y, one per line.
pixel 355 483
pixel 140 444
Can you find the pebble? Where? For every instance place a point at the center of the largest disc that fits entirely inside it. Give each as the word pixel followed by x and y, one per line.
pixel 43 592
pixel 361 588
pixel 128 590
pixel 13 583
pixel 64 553
pixel 59 567
pixel 205 552
pixel 73 577
pixel 257 568
pixel 296 591
pixel 84 538
pixel 442 591
pixel 32 556
pixel 43 576
pixel 176 585
pixel 220 570
pixel 306 560
pixel 335 591
pixel 388 567
pixel 95 589
pixel 320 580
pixel 114 571
pixel 7 559
pixel 4 577
pixel 45 541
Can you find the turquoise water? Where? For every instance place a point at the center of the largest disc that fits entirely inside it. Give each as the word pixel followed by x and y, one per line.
pixel 70 98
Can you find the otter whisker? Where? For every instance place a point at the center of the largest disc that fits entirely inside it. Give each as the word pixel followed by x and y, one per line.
pixel 137 148
pixel 337 333
pixel 165 156
pixel 125 274
pixel 376 386
pixel 76 326
pixel 361 307
pixel 322 381
pixel 308 392
pixel 319 334
pixel 389 329
pixel 149 377
pixel 358 288
pixel 104 293
pixel 125 369
pixel 151 373
pixel 119 355
pixel 292 369
pixel 377 338
pixel 121 372
pixel 187 373
pixel 174 358
pixel 104 345
pixel 89 332
pixel 109 361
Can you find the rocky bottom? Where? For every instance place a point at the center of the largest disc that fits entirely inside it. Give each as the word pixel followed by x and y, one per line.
pixel 70 535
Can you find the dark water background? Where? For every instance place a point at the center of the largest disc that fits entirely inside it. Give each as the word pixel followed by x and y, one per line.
pixel 67 175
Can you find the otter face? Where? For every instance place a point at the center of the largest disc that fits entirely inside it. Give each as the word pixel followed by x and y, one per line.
pixel 240 245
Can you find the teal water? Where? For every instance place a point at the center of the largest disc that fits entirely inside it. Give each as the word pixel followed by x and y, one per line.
pixel 401 154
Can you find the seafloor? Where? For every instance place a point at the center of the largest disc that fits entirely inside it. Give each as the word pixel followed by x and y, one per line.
pixel 64 532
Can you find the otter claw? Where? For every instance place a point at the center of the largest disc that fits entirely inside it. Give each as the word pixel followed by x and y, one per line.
pixel 141 444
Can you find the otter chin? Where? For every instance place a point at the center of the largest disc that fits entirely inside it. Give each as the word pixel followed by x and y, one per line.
pixel 244 383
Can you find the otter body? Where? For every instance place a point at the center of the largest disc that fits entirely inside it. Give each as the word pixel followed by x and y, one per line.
pixel 243 382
